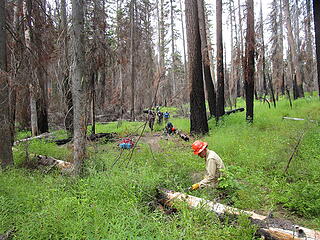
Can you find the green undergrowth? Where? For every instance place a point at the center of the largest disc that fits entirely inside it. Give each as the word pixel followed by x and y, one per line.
pixel 114 198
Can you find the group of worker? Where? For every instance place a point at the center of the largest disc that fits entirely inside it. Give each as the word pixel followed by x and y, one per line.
pixel 214 163
pixel 152 117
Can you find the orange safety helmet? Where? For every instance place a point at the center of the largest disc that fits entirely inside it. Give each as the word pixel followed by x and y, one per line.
pixel 199 146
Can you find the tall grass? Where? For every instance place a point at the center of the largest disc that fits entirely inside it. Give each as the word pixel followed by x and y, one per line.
pixel 115 202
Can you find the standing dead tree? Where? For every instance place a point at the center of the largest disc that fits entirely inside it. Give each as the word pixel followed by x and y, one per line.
pixel 211 95
pixel 5 128
pixel 294 52
pixel 316 13
pixel 65 69
pixel 198 118
pixel 249 61
pixel 276 51
pixel 220 71
pixel 79 85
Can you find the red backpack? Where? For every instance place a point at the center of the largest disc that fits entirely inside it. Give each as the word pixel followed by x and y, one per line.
pixel 126 143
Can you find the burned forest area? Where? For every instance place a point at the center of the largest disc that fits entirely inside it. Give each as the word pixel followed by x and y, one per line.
pixel 160 119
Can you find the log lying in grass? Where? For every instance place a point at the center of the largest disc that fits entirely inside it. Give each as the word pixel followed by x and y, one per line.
pixel 92 137
pixel 44 135
pixel 8 235
pixel 234 111
pixel 63 141
pixel 183 136
pixel 298 119
pixel 50 161
pixel 269 228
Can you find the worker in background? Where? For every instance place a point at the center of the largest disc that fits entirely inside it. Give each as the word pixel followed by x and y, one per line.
pixel 151 118
pixel 166 116
pixel 170 129
pixel 160 117
pixel 213 165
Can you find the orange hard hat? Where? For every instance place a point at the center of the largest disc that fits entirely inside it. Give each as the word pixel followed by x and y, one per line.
pixel 199 146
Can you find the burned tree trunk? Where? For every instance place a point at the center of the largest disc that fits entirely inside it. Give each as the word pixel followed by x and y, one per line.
pixel 78 85
pixel 173 54
pixel 220 71
pixel 22 79
pixel 205 60
pixel 93 98
pixel 65 71
pixel 293 50
pixel 316 13
pixel 132 59
pixel 38 28
pixel 198 118
pixel 249 62
pixel 5 128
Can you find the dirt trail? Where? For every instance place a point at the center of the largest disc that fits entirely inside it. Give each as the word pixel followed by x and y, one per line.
pixel 153 141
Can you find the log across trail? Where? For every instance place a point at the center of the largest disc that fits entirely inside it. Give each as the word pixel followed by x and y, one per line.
pixel 269 228
pixel 44 135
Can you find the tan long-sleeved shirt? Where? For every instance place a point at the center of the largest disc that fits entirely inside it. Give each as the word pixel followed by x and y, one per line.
pixel 213 165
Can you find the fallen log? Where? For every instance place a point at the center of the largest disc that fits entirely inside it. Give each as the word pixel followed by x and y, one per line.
pixel 92 137
pixel 184 137
pixel 44 135
pixel 234 111
pixel 7 235
pixel 269 228
pixel 50 161
pixel 62 141
pixel 298 119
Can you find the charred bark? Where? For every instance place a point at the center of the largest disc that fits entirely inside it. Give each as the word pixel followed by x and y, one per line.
pixel 249 65
pixel 198 117
pixel 316 13
pixel 211 95
pixel 234 111
pixel 5 127
pixel 220 70
pixel 68 122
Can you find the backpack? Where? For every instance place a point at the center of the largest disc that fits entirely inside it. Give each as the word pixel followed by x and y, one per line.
pixel 126 143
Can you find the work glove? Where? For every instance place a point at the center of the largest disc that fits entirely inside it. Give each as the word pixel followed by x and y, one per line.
pixel 195 186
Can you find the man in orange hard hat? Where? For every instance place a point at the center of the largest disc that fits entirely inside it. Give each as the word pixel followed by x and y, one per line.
pixel 213 165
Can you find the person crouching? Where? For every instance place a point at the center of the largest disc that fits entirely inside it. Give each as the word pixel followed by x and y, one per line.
pixel 213 165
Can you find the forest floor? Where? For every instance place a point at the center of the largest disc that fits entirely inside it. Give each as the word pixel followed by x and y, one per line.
pixel 111 199
pixel 153 140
